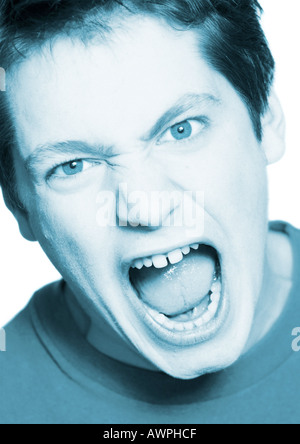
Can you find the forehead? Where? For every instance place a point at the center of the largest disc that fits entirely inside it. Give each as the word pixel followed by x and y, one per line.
pixel 71 89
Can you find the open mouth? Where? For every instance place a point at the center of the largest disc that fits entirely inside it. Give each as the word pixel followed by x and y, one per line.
pixel 181 293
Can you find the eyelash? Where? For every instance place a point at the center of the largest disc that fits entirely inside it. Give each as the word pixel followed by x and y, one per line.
pixel 200 119
pixel 52 171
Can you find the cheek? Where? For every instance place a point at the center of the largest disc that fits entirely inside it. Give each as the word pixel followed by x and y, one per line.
pixel 242 208
pixel 242 204
pixel 244 189
pixel 67 230
pixel 234 179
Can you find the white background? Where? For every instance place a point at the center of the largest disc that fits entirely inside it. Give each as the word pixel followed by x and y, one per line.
pixel 24 267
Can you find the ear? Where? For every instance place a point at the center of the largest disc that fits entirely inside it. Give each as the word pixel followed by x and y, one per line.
pixel 273 125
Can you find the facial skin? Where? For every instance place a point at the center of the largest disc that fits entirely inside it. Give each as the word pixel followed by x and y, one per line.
pixel 110 96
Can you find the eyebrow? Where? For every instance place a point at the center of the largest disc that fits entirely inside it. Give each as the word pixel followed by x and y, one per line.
pixel 45 151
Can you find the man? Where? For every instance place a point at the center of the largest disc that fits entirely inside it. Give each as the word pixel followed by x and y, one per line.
pixel 119 119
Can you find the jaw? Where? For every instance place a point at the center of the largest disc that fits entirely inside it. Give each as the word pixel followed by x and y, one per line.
pixel 182 352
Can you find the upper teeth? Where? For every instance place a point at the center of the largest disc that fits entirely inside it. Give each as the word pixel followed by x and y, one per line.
pixel 163 260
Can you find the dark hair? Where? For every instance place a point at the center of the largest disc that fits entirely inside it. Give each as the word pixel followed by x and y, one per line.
pixel 232 42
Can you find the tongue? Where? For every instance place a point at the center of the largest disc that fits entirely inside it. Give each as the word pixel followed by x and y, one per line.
pixel 178 288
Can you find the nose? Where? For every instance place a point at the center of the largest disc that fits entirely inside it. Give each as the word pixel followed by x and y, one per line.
pixel 147 197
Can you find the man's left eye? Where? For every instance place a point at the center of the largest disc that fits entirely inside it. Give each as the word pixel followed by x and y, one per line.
pixel 182 131
pixel 72 168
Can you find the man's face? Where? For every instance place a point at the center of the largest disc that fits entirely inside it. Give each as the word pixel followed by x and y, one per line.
pixel 146 111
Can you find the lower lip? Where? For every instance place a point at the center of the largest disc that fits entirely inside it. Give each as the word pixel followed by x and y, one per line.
pixel 188 337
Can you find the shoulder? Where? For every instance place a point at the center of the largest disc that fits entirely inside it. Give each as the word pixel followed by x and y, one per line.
pixel 21 333
pixel 24 365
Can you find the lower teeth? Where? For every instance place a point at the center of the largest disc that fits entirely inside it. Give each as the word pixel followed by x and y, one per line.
pixel 193 314
pixel 194 319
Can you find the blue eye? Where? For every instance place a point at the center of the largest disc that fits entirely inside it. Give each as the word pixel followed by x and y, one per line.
pixel 72 168
pixel 182 130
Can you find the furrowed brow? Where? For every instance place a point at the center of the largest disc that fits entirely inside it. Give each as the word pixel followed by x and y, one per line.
pixel 52 150
pixel 44 152
pixel 183 105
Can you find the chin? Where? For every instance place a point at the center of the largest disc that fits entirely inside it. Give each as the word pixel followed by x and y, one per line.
pixel 220 351
pixel 194 370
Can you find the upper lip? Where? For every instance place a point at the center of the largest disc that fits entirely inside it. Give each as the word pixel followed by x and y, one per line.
pixel 129 261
